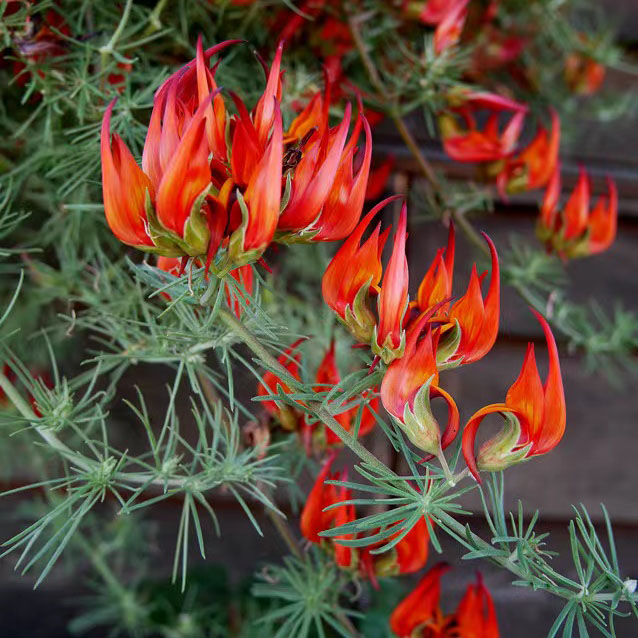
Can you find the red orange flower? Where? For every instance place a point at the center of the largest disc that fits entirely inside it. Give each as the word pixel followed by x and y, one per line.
pixel 475 616
pixel 532 167
pixel 470 326
pixel 577 230
pixel 326 198
pixel 420 610
pixel 408 386
pixel 271 384
pixel 534 416
pixel 464 141
pixel 583 75
pixel 354 271
pixel 328 377
pixel 162 207
pixel 389 337
pixel 314 516
pixel 419 614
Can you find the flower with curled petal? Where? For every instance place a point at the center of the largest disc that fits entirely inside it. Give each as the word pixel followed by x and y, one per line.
pixel 408 386
pixel 534 415
pixel 576 230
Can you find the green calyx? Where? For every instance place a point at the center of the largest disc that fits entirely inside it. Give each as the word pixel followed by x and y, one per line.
pixel 501 451
pixel 358 318
pixel 420 424
pixel 448 347
pixel 169 244
pixel 387 353
pixel 237 254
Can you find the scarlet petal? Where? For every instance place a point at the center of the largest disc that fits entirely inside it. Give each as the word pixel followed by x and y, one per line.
pixel 526 393
pixel 419 606
pixel 475 615
pixel 554 412
pixel 405 376
pixel 184 180
pixel 263 195
pixel 393 298
pixel 468 443
pixel 124 187
pixel 412 549
pixel 313 518
pixel 577 208
pixel 603 221
pixel 491 311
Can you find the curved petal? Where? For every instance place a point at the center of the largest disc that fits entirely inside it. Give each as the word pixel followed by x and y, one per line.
pixel 491 312
pixel 312 187
pixel 554 412
pixel 469 435
pixel 343 207
pixel 393 298
pixel 576 209
pixel 469 311
pixel 603 221
pixel 313 518
pixel 420 605
pixel 263 194
pixel 124 187
pixel 453 418
pixel 526 393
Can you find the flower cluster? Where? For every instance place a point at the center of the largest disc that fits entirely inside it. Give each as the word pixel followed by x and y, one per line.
pixel 419 614
pixel 415 339
pixel 578 230
pixel 214 183
pixel 359 412
pixel 329 506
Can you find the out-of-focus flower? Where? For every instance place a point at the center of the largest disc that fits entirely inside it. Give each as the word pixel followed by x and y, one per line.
pixel 379 176
pixel 419 613
pixel 353 273
pixel 328 377
pixel 576 230
pixel 320 514
pixel 495 48
pixel 270 384
pixel 388 339
pixel 583 75
pixel 39 44
pixel 475 616
pixel 236 297
pixel 118 80
pixel 448 16
pixel 8 372
pixel 464 141
pixel 409 555
pixel 532 167
pixel 470 324
pixel 408 386
pixel 534 416
pixel 314 517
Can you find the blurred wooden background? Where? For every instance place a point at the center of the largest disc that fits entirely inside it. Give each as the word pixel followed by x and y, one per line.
pixel 594 463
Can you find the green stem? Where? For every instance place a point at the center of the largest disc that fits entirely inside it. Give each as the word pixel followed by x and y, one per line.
pixel 248 338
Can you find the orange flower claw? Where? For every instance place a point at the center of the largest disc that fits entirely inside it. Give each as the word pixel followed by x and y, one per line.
pixel 534 413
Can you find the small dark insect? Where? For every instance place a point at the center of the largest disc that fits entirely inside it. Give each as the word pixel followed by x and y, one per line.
pixel 293 155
